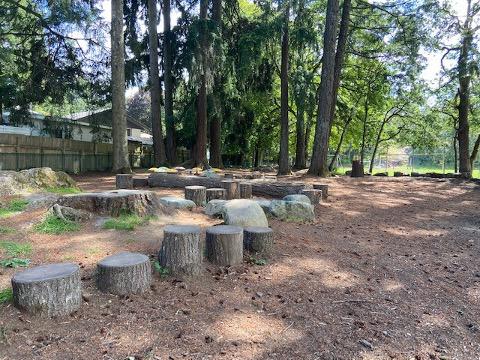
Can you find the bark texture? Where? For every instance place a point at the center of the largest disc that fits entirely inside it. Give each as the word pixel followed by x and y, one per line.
pixel 124 274
pixel 324 188
pixel 283 163
pixel 216 194
pixel 119 121
pixel 225 245
pixel 180 252
pixel 198 194
pixel 245 190
pixel 258 240
pixel 124 181
pixel 48 290
pixel 357 168
pixel 114 203
pixel 232 188
pixel 314 195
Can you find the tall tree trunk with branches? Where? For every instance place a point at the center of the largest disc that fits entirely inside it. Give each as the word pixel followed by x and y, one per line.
pixel 119 121
pixel 283 162
pixel 155 106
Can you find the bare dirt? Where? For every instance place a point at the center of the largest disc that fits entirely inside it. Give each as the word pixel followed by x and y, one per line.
pixel 390 270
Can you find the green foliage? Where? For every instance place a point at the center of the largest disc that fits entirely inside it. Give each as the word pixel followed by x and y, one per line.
pixel 6 230
pixel 256 261
pixel 6 296
pixel 14 249
pixel 127 222
pixel 163 272
pixel 12 207
pixel 14 262
pixel 55 226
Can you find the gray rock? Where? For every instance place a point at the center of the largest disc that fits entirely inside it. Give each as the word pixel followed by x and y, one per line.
pixel 298 198
pixel 294 211
pixel 243 212
pixel 215 207
pixel 264 203
pixel 176 203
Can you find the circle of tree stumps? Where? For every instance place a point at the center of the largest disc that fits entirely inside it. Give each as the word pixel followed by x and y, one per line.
pixel 123 274
pixel 48 290
pixel 180 252
pixel 224 245
pixel 198 194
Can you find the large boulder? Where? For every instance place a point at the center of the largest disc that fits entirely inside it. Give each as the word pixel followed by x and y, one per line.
pixel 298 197
pixel 177 203
pixel 215 207
pixel 264 203
pixel 244 213
pixel 33 180
pixel 294 211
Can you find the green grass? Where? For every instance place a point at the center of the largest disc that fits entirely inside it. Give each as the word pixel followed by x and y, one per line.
pixel 14 206
pixel 126 222
pixel 163 272
pixel 64 190
pixel 13 249
pixel 6 296
pixel 6 230
pixel 408 170
pixel 55 226
pixel 14 262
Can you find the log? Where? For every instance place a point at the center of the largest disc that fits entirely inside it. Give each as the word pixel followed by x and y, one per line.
pixel 115 203
pixel 216 194
pixel 224 245
pixel 314 195
pixel 270 188
pixel 324 188
pixel 48 290
pixel 258 240
pixel 180 252
pixel 124 181
pixel 231 186
pixel 357 169
pixel 245 190
pixel 198 194
pixel 123 274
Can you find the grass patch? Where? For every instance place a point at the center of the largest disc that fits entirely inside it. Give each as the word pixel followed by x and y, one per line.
pixel 56 226
pixel 6 230
pixel 6 296
pixel 13 249
pixel 127 222
pixel 163 272
pixel 64 190
pixel 14 206
pixel 14 263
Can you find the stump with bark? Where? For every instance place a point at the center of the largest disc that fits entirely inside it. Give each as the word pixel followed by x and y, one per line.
pixel 225 245
pixel 357 169
pixel 124 273
pixel 140 182
pixel 228 176
pixel 48 290
pixel 180 252
pixel 115 203
pixel 258 240
pixel 314 195
pixel 245 190
pixel 124 181
pixel 324 188
pixel 216 194
pixel 198 194
pixel 231 186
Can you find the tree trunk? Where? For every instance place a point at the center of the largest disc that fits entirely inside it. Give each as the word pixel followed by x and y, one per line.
pixel 216 121
pixel 375 148
pixel 319 165
pixel 119 120
pixel 155 107
pixel 340 142
pixel 308 131
pixel 364 131
pixel 283 161
pixel 1 113
pixel 473 157
pixel 455 153
pixel 171 149
pixel 201 137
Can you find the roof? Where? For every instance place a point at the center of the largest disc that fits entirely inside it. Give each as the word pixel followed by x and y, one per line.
pixel 104 117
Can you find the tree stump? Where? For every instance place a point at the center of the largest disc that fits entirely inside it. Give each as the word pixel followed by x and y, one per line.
pixel 198 194
pixel 357 169
pixel 180 252
pixel 231 186
pixel 48 290
pixel 245 190
pixel 314 195
pixel 324 188
pixel 140 182
pixel 124 273
pixel 258 240
pixel 228 176
pixel 216 194
pixel 124 181
pixel 225 245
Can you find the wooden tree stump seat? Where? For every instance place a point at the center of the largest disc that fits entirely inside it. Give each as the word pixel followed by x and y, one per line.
pixel 231 186
pixel 198 194
pixel 314 195
pixel 228 176
pixel 216 194
pixel 180 252
pixel 124 181
pixel 48 290
pixel 124 273
pixel 324 188
pixel 245 190
pixel 224 245
pixel 258 240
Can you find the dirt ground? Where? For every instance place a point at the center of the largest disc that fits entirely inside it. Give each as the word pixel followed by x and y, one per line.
pixel 389 270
